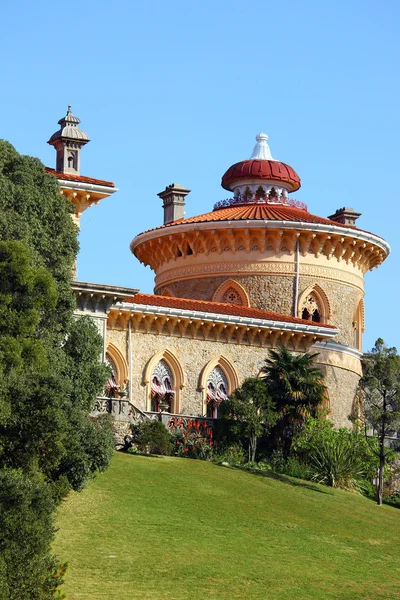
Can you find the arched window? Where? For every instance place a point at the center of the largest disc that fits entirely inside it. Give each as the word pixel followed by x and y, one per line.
pixel 217 391
pixel 358 325
pixel 314 305
pixel 112 386
pixel 162 387
pixel 119 379
pixel 217 381
pixel 231 292
pixel 164 379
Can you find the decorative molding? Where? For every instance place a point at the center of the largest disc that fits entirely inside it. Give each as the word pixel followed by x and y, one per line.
pixel 258 267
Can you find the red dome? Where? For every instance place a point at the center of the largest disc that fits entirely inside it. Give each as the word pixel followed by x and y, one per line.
pixel 254 168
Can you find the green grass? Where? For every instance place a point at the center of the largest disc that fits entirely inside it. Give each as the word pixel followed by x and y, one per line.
pixel 159 528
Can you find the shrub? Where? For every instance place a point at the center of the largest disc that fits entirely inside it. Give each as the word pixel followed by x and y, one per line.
pixel 152 437
pixel 191 444
pixel 338 462
pixel 28 569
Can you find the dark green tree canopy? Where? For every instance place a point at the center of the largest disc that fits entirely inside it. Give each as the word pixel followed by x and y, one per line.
pixel 50 374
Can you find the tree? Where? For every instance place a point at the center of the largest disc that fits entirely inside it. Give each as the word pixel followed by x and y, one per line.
pixel 295 385
pixel 50 373
pixel 251 412
pixel 380 385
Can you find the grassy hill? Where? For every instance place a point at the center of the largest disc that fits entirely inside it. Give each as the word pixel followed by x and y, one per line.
pixel 160 528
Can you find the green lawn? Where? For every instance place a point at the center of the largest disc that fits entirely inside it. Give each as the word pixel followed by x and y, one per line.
pixel 160 528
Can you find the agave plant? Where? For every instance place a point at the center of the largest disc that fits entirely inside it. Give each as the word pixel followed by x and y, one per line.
pixel 336 464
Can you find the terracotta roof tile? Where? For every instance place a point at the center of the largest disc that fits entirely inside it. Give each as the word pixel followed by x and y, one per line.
pixel 217 308
pixel 79 178
pixel 257 212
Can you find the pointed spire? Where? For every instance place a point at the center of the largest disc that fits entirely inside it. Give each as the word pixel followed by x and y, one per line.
pixel 261 149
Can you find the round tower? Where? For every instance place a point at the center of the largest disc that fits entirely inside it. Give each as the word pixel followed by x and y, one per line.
pixel 262 248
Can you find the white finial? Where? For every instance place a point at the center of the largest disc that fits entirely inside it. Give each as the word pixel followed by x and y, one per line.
pixel 261 149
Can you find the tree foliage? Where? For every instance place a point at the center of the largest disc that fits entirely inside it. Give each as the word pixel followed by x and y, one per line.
pixel 251 412
pixel 50 373
pixel 296 387
pixel 380 385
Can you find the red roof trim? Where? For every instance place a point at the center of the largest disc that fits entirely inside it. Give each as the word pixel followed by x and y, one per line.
pixel 221 308
pixel 79 178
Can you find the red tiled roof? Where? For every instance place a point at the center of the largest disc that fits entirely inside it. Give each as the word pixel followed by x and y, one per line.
pixel 272 170
pixel 256 212
pixel 221 308
pixel 79 178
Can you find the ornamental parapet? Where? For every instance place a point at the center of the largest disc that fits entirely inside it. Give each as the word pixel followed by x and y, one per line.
pixel 255 199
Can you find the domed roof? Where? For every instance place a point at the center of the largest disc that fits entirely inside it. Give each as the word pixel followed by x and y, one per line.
pixel 271 170
pixel 69 129
pixel 261 166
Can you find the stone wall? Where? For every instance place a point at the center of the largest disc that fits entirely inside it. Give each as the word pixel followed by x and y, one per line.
pixel 341 371
pixel 276 293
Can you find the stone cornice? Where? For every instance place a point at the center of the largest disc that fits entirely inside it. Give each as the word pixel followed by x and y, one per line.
pixel 192 324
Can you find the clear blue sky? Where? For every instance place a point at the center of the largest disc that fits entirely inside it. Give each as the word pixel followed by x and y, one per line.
pixel 173 91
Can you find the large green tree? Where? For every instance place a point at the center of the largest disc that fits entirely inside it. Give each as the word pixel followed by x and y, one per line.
pixel 251 413
pixel 50 372
pixel 295 385
pixel 381 389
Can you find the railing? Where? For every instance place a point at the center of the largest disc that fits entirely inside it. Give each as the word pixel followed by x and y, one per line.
pixel 122 409
pixel 242 200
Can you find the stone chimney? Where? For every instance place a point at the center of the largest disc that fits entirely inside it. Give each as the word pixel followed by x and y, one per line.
pixel 345 215
pixel 173 198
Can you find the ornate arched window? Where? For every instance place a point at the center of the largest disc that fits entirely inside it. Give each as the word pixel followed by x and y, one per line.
pixel 112 386
pixel 119 368
pixel 164 379
pixel 314 305
pixel 217 381
pixel 311 309
pixel 162 387
pixel 231 292
pixel 217 391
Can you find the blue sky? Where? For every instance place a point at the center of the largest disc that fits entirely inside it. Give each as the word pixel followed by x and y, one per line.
pixel 176 92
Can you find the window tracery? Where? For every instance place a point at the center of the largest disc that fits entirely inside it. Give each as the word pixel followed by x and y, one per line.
pixel 232 296
pixel 310 309
pixel 162 386
pixel 217 391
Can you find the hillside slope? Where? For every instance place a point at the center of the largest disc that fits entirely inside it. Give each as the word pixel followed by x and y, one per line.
pixel 159 528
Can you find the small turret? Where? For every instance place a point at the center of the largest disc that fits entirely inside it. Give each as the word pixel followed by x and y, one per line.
pixel 68 141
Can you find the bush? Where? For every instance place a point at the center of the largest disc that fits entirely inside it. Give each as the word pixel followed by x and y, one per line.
pixel 28 570
pixel 191 444
pixel 152 437
pixel 338 463
pixel 291 466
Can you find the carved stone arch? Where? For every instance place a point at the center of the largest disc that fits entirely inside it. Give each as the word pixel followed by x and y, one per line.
pixel 238 293
pixel 358 324
pixel 321 300
pixel 229 371
pixel 118 359
pixel 177 372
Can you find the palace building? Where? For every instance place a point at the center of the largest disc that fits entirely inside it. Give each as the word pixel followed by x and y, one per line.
pixel 255 272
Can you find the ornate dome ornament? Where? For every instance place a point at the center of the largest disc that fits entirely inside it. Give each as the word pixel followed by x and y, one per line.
pixel 260 179
pixel 69 129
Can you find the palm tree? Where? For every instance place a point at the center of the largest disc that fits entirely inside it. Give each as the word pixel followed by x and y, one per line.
pixel 296 387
